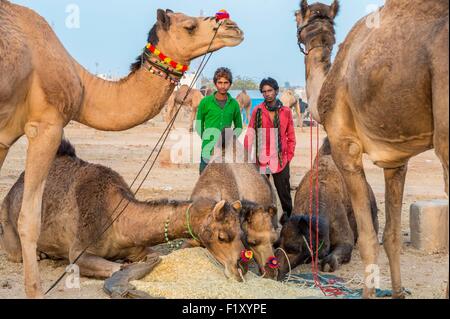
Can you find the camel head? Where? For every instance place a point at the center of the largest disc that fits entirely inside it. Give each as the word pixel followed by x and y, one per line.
pixel 316 34
pixel 315 24
pixel 220 232
pixel 259 235
pixel 294 240
pixel 185 38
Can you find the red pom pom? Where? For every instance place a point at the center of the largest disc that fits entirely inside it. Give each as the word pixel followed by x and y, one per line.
pixel 272 262
pixel 222 15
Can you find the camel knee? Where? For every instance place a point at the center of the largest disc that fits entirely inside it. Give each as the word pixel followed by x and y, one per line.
pixel 368 246
pixel 392 240
pixel 347 154
pixel 29 227
pixel 10 243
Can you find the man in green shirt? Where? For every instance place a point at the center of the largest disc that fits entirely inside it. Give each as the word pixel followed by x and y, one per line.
pixel 215 113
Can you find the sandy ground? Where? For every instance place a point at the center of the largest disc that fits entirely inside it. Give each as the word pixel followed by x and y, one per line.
pixel 425 275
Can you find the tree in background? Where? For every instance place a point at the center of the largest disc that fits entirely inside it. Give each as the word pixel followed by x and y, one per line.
pixel 244 83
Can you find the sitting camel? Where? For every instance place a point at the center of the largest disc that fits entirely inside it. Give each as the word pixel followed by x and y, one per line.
pixel 337 224
pixel 289 99
pixel 245 102
pixel 42 88
pixel 81 198
pixel 190 103
pixel 242 181
pixel 386 95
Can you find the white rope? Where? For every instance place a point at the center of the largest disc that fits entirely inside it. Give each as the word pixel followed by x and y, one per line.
pixel 289 264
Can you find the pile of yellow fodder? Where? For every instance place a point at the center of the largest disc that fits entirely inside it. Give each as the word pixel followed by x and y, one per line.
pixel 193 274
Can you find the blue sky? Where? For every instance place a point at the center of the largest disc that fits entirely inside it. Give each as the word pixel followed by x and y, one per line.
pixel 113 32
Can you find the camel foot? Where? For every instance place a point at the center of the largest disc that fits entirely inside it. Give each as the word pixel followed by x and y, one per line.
pixel 329 264
pixel 118 285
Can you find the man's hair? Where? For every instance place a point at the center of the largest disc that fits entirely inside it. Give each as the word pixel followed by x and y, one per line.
pixel 223 73
pixel 270 82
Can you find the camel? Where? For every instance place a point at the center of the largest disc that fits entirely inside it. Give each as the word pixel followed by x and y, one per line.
pixel 236 177
pixel 190 103
pixel 337 224
pixel 289 99
pixel 81 198
pixel 386 95
pixel 42 88
pixel 245 102
pixel 242 181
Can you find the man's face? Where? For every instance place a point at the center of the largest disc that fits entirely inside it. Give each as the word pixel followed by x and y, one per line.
pixel 223 85
pixel 269 93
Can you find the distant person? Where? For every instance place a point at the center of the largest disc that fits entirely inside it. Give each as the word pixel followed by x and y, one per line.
pixel 271 130
pixel 215 113
pixel 304 111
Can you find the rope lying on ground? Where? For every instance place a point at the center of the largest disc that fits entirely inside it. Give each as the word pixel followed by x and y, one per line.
pixel 331 282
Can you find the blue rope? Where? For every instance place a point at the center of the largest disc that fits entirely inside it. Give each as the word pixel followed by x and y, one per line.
pixel 307 279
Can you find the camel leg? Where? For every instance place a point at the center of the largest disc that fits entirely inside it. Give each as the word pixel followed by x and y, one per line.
pixel 3 152
pixel 44 139
pixel 97 267
pixel 9 238
pixel 190 243
pixel 342 238
pixel 341 254
pixel 141 254
pixel 192 118
pixel 347 154
pixel 440 100
pixel 299 115
pixel 392 239
pixel 170 110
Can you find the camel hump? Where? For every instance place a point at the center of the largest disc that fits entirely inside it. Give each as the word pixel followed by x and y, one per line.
pixel 66 149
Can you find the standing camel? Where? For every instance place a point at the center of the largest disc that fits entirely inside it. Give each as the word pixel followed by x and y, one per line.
pixel 289 99
pixel 245 102
pixel 190 103
pixel 386 95
pixel 42 88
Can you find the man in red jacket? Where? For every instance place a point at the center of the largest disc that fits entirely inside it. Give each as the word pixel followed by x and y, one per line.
pixel 271 133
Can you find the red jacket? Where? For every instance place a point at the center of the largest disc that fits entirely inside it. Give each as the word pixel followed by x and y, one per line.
pixel 269 158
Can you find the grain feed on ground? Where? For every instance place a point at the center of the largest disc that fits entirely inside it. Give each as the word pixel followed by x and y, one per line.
pixel 193 274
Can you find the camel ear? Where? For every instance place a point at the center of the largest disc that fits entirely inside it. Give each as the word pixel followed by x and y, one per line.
pixel 304 8
pixel 218 210
pixel 272 210
pixel 303 225
pixel 169 11
pixel 163 19
pixel 237 205
pixel 334 9
pixel 283 219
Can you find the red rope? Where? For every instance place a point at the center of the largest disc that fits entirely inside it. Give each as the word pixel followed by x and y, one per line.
pixel 327 291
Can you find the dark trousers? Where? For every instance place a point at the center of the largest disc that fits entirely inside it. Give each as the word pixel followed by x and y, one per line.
pixel 203 165
pixel 283 186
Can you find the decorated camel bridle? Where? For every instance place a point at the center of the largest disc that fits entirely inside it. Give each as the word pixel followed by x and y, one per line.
pixel 160 64
pixel 156 62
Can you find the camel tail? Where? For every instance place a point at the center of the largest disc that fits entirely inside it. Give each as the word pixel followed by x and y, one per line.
pixel 66 149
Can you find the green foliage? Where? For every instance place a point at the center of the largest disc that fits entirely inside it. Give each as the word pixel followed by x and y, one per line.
pixel 244 83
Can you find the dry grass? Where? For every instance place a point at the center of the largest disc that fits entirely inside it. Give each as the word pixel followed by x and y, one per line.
pixel 191 273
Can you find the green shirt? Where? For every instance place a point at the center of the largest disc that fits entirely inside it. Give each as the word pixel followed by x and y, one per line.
pixel 212 119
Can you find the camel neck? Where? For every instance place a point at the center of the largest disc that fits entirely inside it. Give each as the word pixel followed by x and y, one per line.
pixel 318 64
pixel 144 223
pixel 123 104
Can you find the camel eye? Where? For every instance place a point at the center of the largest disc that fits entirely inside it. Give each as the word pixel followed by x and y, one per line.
pixel 223 237
pixel 191 28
